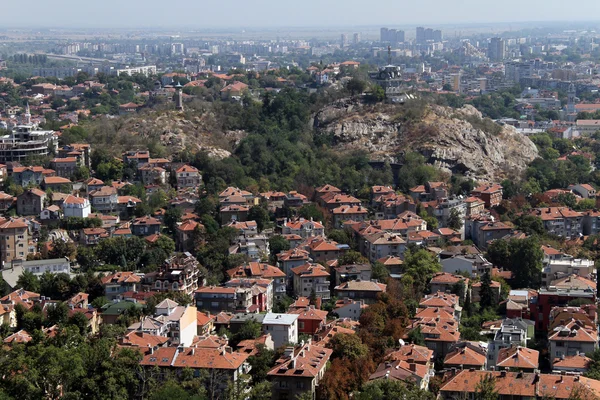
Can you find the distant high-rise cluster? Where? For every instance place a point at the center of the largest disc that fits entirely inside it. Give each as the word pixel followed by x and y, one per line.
pixel 497 49
pixel 425 35
pixel 392 36
pixel 344 40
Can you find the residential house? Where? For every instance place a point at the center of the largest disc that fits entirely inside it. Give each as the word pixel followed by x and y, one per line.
pixel 382 244
pixel 490 194
pixel 310 320
pixel 224 365
pixel 235 89
pixel 309 278
pixel 439 335
pixel 446 282
pixel 294 199
pixel 234 213
pixel 572 338
pixel 298 371
pixel 185 234
pixel 560 221
pixel 179 322
pixel 188 177
pixel 65 167
pixel 348 213
pixel 518 358
pixel 474 265
pixel 430 191
pixel 467 355
pixel 333 200
pixel 92 184
pixel 349 309
pixel 260 290
pixel 475 206
pixel 57 184
pixel 282 327
pixel 483 229
pixel 120 282
pixel 256 270
pixel 512 333
pixel 323 250
pixel 6 201
pixel 179 273
pixel 104 200
pixel 92 236
pixel 145 226
pixel 368 291
pixel 31 202
pixel 352 272
pixel 30 176
pixel 290 259
pixel 303 228
pixel 77 207
pixel 151 174
pixel 320 192
pixel 567 267
pixel 14 240
pixel 576 364
pixel 583 190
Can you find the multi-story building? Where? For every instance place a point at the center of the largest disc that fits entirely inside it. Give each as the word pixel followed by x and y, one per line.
pixel 367 291
pixel 27 142
pixel 490 194
pixel 302 227
pixel 31 202
pixel 256 270
pixel 512 333
pixel 27 176
pixel 497 49
pixel 282 327
pixel 65 167
pixel 119 283
pixel 178 323
pixel 14 240
pixel 104 199
pixel 188 177
pixel 77 207
pixel 179 273
pixel 572 338
pixel 309 278
pixel 560 221
pixel 298 371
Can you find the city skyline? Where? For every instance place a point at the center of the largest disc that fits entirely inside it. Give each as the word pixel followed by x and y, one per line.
pixel 269 14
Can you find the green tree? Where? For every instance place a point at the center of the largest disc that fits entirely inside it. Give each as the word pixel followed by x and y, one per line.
pixel 380 272
pixel 386 389
pixel 348 346
pixel 171 218
pixel 455 220
pixel 352 257
pixel 29 282
pixel 356 86
pixel 416 337
pixel 311 211
pixel 278 244
pixel 260 215
pixel 486 295
pixel 486 388
pixel 261 363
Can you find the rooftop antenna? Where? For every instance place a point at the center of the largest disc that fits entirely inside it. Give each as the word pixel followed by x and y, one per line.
pixel 389 55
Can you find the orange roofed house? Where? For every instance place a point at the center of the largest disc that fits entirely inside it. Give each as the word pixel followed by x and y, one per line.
pixel 256 270
pixel 120 282
pixel 490 194
pixel 299 370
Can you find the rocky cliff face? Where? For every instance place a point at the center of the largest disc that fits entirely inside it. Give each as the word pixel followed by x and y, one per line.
pixel 446 136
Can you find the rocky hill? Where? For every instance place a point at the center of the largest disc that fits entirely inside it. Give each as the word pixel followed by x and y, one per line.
pixel 458 140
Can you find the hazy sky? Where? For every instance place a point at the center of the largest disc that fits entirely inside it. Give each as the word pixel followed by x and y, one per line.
pixel 281 13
